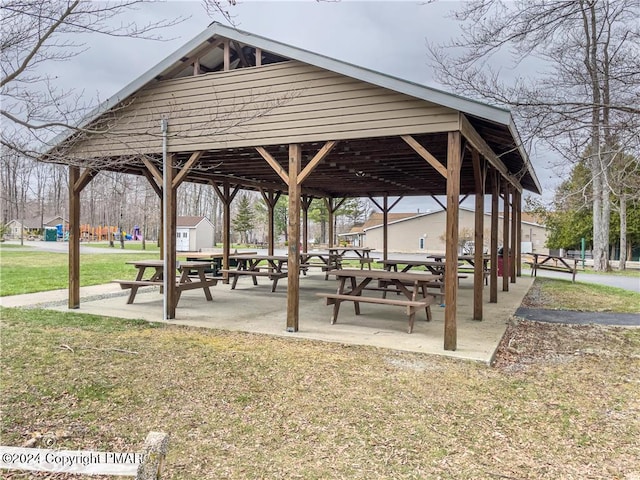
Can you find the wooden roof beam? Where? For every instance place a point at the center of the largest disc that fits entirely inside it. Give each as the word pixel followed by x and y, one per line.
pixel 84 179
pixel 476 140
pixel 424 153
pixel 186 61
pixel 317 158
pixel 274 164
pixel 238 49
pixel 180 177
pixel 153 170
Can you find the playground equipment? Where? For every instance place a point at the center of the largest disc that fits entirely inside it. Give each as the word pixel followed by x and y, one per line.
pixel 89 233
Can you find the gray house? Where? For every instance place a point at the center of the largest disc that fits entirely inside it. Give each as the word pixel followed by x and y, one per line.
pixel 426 232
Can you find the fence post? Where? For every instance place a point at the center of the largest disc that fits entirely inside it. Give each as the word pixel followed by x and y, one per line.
pixel 155 449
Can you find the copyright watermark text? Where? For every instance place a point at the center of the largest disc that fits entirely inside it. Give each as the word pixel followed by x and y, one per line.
pixel 70 461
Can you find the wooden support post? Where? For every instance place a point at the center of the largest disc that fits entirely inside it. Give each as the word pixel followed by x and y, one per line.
pixel 272 229
pixel 332 208
pixel 226 56
pixel 293 262
pixel 77 182
pixel 385 227
pixel 226 230
pixel 170 255
pixel 226 196
pixel 479 173
pixel 518 207
pixel 74 238
pixel 329 203
pixel 495 197
pixel 306 204
pixel 385 221
pixel 153 181
pixel 505 239
pixel 514 236
pixel 454 162
pixel 271 198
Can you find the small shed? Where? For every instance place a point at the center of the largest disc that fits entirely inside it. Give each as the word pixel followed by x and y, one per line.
pixel 193 234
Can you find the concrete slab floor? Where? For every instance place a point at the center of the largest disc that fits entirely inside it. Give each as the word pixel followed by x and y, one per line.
pixel 255 309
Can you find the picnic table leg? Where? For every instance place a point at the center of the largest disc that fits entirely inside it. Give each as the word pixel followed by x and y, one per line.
pixel 412 318
pixel 336 305
pixel 134 288
pixel 355 304
pixel 428 307
pixel 132 293
pixel 205 287
pixel 235 281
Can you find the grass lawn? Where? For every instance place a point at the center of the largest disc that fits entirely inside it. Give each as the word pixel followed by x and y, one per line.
pixel 562 402
pixel 28 271
pixel 559 294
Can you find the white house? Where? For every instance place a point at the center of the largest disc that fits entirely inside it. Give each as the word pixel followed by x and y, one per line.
pixel 193 234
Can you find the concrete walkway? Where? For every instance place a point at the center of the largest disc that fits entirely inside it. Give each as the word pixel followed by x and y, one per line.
pixel 257 310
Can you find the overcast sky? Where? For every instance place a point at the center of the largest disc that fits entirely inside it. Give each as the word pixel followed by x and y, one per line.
pixel 389 37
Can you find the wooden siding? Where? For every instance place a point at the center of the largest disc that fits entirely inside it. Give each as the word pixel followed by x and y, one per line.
pixel 282 103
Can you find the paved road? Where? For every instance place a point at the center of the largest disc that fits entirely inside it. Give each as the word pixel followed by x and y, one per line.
pixel 628 283
pixel 579 318
pixel 63 247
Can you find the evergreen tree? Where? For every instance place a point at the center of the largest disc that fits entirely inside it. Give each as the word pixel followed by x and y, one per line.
pixel 243 223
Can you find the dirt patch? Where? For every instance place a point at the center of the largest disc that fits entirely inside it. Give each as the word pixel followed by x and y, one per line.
pixel 527 343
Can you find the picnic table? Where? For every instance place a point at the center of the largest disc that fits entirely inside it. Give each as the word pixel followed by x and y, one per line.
pixel 436 268
pixel 471 260
pixel 191 275
pixel 412 285
pixel 253 266
pixel 553 263
pixel 325 260
pixel 362 254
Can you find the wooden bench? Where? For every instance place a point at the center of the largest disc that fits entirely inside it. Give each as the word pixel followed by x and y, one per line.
pixel 412 306
pixel 124 284
pixel 273 276
pixel 180 286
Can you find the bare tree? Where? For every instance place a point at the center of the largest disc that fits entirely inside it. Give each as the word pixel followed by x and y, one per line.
pixel 586 97
pixel 34 110
pixel 35 32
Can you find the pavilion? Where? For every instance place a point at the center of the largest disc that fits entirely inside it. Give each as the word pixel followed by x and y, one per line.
pixel 240 111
